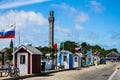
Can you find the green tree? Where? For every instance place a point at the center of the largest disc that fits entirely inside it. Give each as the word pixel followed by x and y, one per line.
pixel 83 44
pixel 45 50
pixel 70 46
pixel 11 44
pixel 0 58
pixel 8 53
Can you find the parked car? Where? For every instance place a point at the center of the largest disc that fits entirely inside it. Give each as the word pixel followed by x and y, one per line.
pixel 103 61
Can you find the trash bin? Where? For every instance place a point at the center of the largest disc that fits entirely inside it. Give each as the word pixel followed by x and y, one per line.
pixel 83 63
pixel 43 66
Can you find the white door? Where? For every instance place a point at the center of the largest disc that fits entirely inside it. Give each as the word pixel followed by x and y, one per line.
pixel 65 62
pixel 22 62
pixel 76 61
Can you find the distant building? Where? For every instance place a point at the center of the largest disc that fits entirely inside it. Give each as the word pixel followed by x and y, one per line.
pixel 113 55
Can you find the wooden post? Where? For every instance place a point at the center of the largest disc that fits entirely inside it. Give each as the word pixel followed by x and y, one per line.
pixel 2 58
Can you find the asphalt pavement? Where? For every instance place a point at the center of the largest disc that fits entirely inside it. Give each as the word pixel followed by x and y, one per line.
pixel 115 75
pixel 102 72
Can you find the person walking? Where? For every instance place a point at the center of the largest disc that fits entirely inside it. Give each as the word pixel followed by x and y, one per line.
pixel 95 62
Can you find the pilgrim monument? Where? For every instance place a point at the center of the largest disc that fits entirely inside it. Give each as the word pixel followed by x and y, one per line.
pixel 51 28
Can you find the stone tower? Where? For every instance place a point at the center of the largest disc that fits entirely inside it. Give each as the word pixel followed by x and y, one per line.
pixel 51 28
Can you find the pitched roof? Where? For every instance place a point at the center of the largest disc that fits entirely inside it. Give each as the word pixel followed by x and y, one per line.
pixel 79 54
pixel 112 54
pixel 30 49
pixel 65 52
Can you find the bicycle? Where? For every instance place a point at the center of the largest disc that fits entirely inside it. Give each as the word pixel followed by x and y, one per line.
pixel 61 66
pixel 12 72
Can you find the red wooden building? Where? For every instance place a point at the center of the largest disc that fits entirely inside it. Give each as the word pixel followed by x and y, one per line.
pixel 28 59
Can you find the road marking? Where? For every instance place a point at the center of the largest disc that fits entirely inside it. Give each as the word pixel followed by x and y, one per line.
pixel 110 78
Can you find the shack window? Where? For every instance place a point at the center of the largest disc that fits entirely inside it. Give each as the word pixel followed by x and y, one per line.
pixel 22 59
pixel 65 58
pixel 76 59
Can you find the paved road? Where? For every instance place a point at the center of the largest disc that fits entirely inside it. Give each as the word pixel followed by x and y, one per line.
pixel 116 76
pixel 96 74
pixel 102 72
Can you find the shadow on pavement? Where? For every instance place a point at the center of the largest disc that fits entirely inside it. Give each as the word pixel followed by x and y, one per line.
pixel 36 75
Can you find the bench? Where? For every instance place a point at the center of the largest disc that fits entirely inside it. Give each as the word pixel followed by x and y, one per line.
pixel 1 71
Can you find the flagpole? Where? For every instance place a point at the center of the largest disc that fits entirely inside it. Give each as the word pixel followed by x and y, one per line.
pixel 14 37
pixel 19 38
pixel 14 25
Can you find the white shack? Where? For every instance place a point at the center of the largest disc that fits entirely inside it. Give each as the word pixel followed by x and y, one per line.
pixel 77 59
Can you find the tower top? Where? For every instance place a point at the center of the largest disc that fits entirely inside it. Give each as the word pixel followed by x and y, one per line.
pixel 51 17
pixel 51 13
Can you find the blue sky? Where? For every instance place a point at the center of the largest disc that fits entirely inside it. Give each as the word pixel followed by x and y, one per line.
pixel 91 21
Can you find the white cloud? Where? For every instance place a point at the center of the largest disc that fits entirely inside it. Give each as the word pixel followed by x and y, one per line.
pixel 27 23
pixel 92 35
pixel 36 30
pixel 17 3
pixel 82 17
pixel 78 27
pixel 62 30
pixel 96 6
pixel 66 7
pixel 22 19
